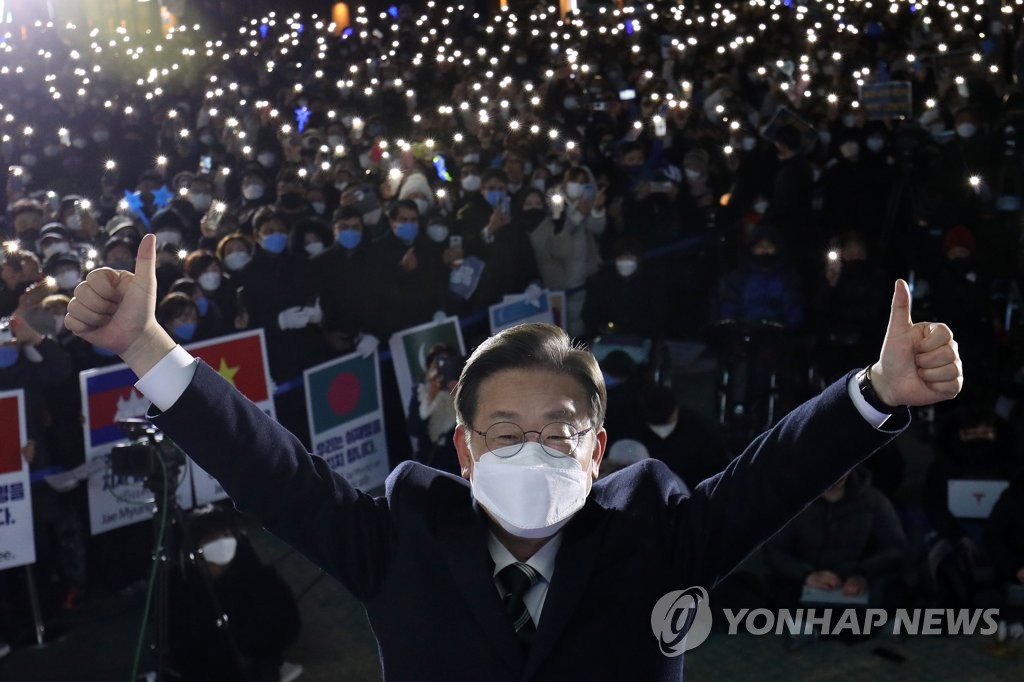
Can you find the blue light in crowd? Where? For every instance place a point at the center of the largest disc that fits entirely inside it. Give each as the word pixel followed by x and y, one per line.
pixel 347 32
pixel 629 27
pixel 393 11
pixel 263 30
pixel 299 28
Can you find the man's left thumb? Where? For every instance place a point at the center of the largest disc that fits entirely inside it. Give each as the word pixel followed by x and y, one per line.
pixel 899 315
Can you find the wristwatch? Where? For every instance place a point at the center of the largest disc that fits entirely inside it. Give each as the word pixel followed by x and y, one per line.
pixel 867 391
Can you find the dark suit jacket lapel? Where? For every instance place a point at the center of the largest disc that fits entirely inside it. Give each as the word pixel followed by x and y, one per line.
pixel 580 551
pixel 463 534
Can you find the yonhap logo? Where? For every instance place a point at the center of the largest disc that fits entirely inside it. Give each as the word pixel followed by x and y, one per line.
pixel 681 620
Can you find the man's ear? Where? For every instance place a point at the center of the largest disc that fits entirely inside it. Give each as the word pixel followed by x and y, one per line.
pixel 461 441
pixel 598 454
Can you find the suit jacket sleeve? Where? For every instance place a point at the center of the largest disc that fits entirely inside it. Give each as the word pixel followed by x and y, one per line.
pixel 269 475
pixel 781 472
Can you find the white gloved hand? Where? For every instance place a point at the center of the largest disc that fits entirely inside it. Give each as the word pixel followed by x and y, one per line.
pixel 533 292
pixel 440 316
pixel 367 345
pixel 315 312
pixel 293 318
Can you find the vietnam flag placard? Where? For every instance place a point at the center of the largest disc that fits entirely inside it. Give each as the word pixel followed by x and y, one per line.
pixel 242 360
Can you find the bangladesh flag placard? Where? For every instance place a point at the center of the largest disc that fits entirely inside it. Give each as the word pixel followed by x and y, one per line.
pixel 341 391
pixel 346 420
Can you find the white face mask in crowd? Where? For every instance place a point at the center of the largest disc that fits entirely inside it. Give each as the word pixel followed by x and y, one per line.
pixel 252 192
pixel 68 280
pixel 165 237
pixel 530 494
pixel 663 431
pixel 574 190
pixel 437 232
pixel 626 266
pixel 966 130
pixel 237 260
pixel 210 281
pixel 201 201
pixel 471 183
pixel 220 551
pixel 314 248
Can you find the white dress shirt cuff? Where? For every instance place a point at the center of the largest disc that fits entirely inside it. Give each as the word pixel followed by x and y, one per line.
pixel 164 383
pixel 870 414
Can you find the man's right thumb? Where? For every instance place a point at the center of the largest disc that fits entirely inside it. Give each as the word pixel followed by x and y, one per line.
pixel 145 261
pixel 899 315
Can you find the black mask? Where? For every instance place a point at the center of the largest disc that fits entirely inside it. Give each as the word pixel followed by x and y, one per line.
pixel 292 201
pixel 532 217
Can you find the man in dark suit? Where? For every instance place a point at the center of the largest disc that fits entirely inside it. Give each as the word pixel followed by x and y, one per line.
pixel 439 563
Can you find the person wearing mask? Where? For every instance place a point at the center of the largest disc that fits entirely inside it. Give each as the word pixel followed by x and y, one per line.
pixel 279 297
pixel 208 271
pixel 27 219
pixel 430 419
pixel 341 276
pixel 416 188
pixel 686 441
pixel 219 575
pixel 66 271
pixel 497 231
pixel 309 237
pixel 565 239
pixel 530 412
pixel 178 314
pixel 210 322
pixel 627 297
pixel 54 238
pixel 19 271
pixel 119 252
pixel 849 541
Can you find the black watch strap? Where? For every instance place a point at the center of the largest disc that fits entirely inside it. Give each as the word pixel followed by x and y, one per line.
pixel 867 391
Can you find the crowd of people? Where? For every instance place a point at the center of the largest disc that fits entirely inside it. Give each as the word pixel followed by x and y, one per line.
pixel 681 173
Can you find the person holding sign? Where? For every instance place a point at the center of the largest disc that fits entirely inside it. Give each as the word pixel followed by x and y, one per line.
pixel 519 571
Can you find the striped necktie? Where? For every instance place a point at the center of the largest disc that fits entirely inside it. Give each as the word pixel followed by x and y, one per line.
pixel 514 580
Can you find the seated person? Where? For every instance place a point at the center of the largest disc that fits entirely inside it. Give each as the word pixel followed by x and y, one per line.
pixel 849 541
pixel 263 617
pixel 1003 537
pixel 687 442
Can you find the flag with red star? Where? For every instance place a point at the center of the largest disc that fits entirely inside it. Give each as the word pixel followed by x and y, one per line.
pixel 242 360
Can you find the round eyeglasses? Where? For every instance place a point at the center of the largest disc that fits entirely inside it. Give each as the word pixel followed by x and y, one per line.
pixel 559 439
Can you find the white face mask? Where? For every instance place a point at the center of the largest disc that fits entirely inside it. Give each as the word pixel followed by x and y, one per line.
pixel 530 494
pixel 849 150
pixel 237 260
pixel 58 324
pixel 748 143
pixel 437 232
pixel 319 207
pixel 626 266
pixel 252 192
pixel 73 222
pixel 373 217
pixel 165 237
pixel 220 551
pixel 56 247
pixel 574 190
pixel 266 160
pixel 210 281
pixel 422 205
pixel 875 143
pixel 471 183
pixel 67 280
pixel 201 201
pixel 662 431
pixel 966 130
pixel 760 206
pixel 314 248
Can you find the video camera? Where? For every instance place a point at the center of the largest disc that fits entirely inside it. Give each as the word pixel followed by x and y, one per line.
pixel 142 457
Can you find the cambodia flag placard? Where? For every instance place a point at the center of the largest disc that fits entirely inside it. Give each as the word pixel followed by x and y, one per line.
pixel 109 396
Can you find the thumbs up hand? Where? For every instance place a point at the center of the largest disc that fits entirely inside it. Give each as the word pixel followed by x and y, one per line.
pixel 919 363
pixel 116 310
